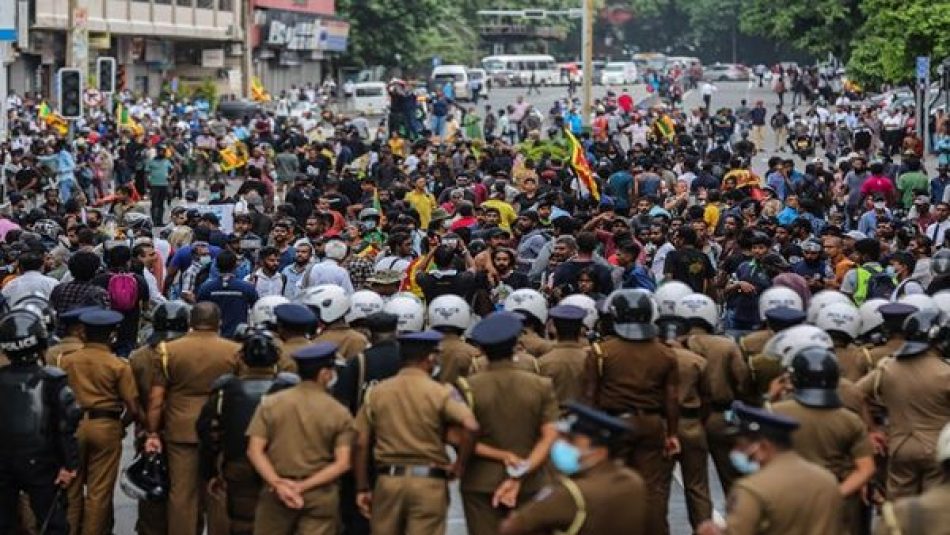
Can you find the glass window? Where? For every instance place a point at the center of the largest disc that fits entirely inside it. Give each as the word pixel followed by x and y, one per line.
pixel 226 5
pixel 369 91
pixel 204 4
pixel 166 2
pixel 184 3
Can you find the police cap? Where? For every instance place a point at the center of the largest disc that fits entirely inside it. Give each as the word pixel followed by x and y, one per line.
pixel 381 322
pixel 895 314
pixel 784 317
pixel 421 337
pixel 318 355
pixel 100 318
pixel 748 420
pixel 567 312
pixel 585 420
pixel 72 316
pixel 294 314
pixel 497 328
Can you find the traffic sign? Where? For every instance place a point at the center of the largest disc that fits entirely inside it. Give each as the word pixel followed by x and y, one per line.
pixel 923 68
pixel 91 97
pixel 8 21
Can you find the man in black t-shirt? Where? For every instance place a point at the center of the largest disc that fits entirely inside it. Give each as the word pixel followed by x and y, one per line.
pixel 565 276
pixel 688 264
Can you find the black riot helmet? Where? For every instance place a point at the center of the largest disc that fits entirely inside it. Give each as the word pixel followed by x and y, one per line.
pixel 920 330
pixel 940 263
pixel 259 349
pixel 23 336
pixel 169 321
pixel 815 375
pixel 146 478
pixel 38 304
pixel 633 312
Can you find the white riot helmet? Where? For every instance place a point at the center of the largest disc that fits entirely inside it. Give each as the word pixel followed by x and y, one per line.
pixel 449 310
pixel 921 301
pixel 697 307
pixel 870 317
pixel 262 313
pixel 362 304
pixel 942 298
pixel 778 297
pixel 391 263
pixel 328 301
pixel 589 306
pixel 823 299
pixel 408 308
pixel 528 301
pixel 943 445
pixel 668 294
pixel 842 318
pixel 787 343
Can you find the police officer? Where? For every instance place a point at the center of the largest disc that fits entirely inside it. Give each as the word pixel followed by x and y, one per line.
pixel 409 415
pixel 564 363
pixel 301 460
pixel 330 303
pixel 597 495
pixel 294 323
pixel 914 387
pixel 169 322
pixel 727 377
pixel 694 448
pixel 828 434
pixel 764 369
pixel 104 386
pixel 39 452
pixel 182 382
pixel 450 315
pixel 842 321
pixel 782 493
pixel 771 299
pixel 635 378
pixel 912 514
pixel 224 420
pixel 894 315
pixel 71 341
pixel 517 411
pixel 534 308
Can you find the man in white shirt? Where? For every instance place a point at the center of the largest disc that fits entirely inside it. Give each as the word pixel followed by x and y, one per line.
pixel 329 270
pixel 707 90
pixel 30 281
pixel 937 231
pixel 266 279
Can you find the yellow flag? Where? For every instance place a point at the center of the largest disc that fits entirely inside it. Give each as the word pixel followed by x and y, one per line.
pixel 258 93
pixel 233 157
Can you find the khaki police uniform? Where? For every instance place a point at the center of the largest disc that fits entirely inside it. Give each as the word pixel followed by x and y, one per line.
pixel 104 386
pixel 303 426
pixel 564 365
pixel 511 406
pixel 880 352
pixel 193 364
pixel 832 438
pixel 753 343
pixel 532 343
pixel 854 361
pixel 522 359
pixel 788 496
pixel 68 344
pixel 727 379
pixel 350 341
pixel 692 436
pixel 630 381
pixel 408 414
pixel 927 513
pixel 607 499
pixel 455 357
pixel 916 392
pixel 288 347
pixel 152 515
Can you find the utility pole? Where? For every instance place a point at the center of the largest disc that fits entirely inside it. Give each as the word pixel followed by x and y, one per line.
pixel 77 37
pixel 248 66
pixel 587 44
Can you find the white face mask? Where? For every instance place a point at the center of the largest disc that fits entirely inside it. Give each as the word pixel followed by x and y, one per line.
pixel 332 382
pixel 880 205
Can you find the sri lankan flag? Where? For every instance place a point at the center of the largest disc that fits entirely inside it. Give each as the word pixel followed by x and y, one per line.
pixel 233 157
pixel 124 120
pixel 664 127
pixel 579 163
pixel 258 93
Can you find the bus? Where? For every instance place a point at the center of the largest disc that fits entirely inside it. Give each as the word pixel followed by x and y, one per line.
pixel 518 68
pixel 650 61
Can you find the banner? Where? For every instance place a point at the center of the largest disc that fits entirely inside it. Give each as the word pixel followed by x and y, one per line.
pixel 225 213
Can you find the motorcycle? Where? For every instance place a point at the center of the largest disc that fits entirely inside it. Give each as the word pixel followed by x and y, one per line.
pixel 803 146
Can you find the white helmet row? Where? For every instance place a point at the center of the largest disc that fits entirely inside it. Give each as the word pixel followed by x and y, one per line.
pixel 823 299
pixel 786 343
pixel 528 301
pixel 668 294
pixel 262 313
pixel 329 301
pixel 697 306
pixel 843 318
pixel 942 299
pixel 363 303
pixel 408 308
pixel 870 317
pixel 450 310
pixel 921 301
pixel 589 306
pixel 778 297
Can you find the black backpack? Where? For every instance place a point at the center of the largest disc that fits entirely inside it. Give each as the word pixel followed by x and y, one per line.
pixel 880 284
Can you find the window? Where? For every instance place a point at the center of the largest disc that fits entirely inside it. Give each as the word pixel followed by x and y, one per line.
pixel 369 91
pixel 165 2
pixel 226 5
pixel 204 4
pixel 184 3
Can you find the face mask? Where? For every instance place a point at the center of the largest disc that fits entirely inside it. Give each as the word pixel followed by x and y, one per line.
pixel 879 205
pixel 566 457
pixel 205 260
pixel 891 271
pixel 214 196
pixel 369 225
pixel 743 463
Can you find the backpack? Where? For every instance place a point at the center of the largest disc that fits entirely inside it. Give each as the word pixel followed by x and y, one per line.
pixel 873 284
pixel 123 292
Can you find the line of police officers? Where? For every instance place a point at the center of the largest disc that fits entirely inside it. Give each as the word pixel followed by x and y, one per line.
pixel 352 428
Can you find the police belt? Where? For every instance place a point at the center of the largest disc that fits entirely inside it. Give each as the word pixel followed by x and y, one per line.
pixel 635 411
pixel 411 470
pixel 689 412
pixel 101 414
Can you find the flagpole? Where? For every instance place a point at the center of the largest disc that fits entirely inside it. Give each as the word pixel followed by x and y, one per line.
pixel 587 45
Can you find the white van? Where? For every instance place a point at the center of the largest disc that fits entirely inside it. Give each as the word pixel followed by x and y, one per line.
pixel 370 98
pixel 619 73
pixel 457 74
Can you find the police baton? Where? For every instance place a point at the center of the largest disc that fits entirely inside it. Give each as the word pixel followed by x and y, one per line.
pixel 52 509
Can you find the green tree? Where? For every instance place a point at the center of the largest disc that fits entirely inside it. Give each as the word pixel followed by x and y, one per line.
pixel 386 32
pixel 885 48
pixel 816 26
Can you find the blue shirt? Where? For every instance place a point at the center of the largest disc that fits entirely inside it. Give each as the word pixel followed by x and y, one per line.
pixel 619 186
pixel 182 257
pixel 233 296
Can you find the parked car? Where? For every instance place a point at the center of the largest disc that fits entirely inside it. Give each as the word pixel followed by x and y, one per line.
pixel 726 72
pixel 238 109
pixel 619 73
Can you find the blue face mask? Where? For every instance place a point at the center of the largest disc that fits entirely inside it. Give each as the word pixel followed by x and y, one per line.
pixel 566 457
pixel 743 463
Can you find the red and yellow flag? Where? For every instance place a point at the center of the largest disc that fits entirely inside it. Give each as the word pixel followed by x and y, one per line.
pixel 579 163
